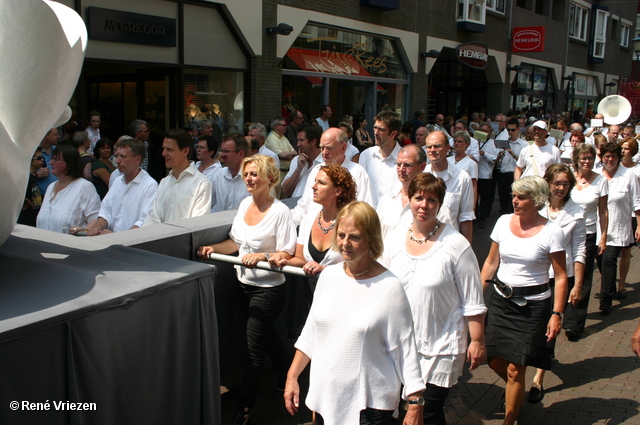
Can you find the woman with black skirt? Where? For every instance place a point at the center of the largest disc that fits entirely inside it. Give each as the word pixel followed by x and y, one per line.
pixel 521 323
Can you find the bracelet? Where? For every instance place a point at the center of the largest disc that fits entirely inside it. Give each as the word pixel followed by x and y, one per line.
pixel 557 313
pixel 267 256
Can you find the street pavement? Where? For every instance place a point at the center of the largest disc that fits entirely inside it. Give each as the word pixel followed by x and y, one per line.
pixel 595 380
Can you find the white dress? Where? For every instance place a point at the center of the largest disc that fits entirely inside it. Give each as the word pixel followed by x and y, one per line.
pixel 440 303
pixel 76 205
pixel 359 337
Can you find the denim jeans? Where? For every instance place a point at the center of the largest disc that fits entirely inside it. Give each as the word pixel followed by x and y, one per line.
pixel 608 266
pixel 262 306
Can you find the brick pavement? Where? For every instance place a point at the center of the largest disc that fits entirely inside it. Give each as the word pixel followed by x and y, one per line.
pixel 593 381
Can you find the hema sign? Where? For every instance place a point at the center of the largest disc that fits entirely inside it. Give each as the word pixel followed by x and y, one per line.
pixel 127 27
pixel 527 39
pixel 475 55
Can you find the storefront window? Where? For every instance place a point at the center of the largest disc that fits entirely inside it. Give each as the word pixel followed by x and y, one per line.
pixel 215 95
pixel 532 90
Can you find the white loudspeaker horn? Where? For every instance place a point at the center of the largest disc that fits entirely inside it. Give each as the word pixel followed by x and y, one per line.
pixel 615 108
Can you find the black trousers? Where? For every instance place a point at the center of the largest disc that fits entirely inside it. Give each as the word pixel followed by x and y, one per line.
pixel 504 192
pixel 434 398
pixel 608 266
pixel 486 193
pixel 576 316
pixel 369 416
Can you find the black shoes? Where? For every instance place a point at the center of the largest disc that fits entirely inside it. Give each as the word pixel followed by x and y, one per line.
pixel 605 309
pixel 535 395
pixel 572 336
pixel 621 295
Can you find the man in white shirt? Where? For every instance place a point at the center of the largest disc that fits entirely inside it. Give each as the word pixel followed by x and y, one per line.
pixel 410 162
pixel 258 132
pixel 380 160
pixel 139 130
pixel 228 188
pixel 278 143
pixel 505 166
pixel 93 129
pixel 534 160
pixel 473 149
pixel 185 192
pixel 613 135
pixel 333 145
pixel 309 146
pixel 323 119
pixel 421 136
pixel 131 196
pixel 457 208
pixel 501 133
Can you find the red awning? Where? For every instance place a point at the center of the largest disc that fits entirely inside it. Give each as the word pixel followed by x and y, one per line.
pixel 326 62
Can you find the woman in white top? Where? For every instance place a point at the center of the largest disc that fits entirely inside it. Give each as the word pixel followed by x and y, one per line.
pixel 262 227
pixel 591 193
pixel 206 151
pixel 359 335
pixel 624 200
pixel 71 200
pixel 629 147
pixel 570 217
pixel 448 307
pixel 521 324
pixel 333 189
pixel 461 142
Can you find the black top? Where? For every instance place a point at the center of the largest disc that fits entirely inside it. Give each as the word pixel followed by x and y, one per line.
pixel 317 256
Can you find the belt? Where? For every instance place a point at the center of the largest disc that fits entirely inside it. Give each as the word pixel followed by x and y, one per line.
pixel 511 292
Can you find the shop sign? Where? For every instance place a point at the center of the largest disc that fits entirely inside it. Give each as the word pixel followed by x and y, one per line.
pixel 127 27
pixel 475 55
pixel 527 39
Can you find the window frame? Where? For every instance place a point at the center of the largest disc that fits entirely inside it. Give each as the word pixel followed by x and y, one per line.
pixel 600 33
pixel 492 5
pixel 583 21
pixel 625 35
pixel 466 9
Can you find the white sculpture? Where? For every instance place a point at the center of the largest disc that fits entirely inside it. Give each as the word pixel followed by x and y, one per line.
pixel 42 44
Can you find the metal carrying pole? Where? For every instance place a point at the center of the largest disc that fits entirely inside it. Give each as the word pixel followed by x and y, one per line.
pixel 263 265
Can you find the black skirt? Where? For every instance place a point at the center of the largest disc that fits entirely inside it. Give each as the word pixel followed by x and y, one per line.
pixel 517 334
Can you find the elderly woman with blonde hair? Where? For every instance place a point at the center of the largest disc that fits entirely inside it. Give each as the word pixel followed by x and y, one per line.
pixel 262 227
pixel 521 322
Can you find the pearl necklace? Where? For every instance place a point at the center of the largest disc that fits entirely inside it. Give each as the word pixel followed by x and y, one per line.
pixel 431 233
pixel 327 229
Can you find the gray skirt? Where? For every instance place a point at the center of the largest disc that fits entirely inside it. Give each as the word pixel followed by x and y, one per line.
pixel 517 334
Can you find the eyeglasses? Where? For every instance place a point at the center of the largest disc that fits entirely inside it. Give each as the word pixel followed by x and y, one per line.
pixel 561 184
pixel 200 147
pixel 225 152
pixel 404 164
pixel 37 158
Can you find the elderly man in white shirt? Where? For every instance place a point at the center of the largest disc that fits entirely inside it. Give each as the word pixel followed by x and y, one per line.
pixel 379 161
pixel 131 196
pixel 309 147
pixel 228 187
pixel 473 150
pixel 277 142
pixel 333 145
pixel 535 159
pixel 258 132
pixel 410 162
pixel 457 208
pixel 185 192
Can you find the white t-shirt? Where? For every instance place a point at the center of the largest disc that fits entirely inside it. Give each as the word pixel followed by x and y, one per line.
pixel 359 337
pixel 526 261
pixel 458 200
pixel 544 156
pixel 127 205
pixel 624 198
pixel 440 303
pixel 572 223
pixel 467 164
pixel 275 232
pixel 76 205
pixel 588 198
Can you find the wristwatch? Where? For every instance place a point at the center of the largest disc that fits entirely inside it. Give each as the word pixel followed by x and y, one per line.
pixel 419 401
pixel 557 313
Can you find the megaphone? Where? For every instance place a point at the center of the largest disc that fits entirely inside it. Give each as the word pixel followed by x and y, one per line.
pixel 616 109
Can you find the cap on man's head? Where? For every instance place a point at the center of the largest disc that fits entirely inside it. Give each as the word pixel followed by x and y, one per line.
pixel 540 124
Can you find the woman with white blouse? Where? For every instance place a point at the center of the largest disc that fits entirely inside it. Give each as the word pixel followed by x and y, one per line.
pixel 262 227
pixel 624 200
pixel 359 336
pixel 570 217
pixel 590 193
pixel 71 200
pixel 522 322
pixel 448 307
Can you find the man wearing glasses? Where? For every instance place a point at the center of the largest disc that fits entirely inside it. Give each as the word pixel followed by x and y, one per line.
pixel 131 195
pixel 505 166
pixel 279 144
pixel 502 133
pixel 438 126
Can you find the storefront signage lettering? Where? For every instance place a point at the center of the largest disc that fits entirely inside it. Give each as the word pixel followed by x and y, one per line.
pixel 127 27
pixel 346 63
pixel 377 65
pixel 527 39
pixel 475 55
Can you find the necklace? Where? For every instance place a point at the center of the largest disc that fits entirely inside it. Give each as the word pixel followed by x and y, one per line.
pixel 351 274
pixel 327 229
pixel 431 233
